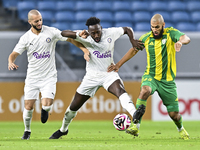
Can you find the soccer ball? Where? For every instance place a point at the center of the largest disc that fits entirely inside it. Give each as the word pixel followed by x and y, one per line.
pixel 121 122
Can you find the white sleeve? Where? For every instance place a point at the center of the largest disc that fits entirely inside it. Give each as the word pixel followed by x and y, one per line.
pixel 20 46
pixel 58 35
pixel 116 32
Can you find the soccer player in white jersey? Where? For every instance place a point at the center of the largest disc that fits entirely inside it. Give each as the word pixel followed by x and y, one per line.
pixel 99 55
pixel 40 42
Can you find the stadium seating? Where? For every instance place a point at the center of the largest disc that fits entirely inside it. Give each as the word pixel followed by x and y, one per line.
pixel 123 24
pixel 198 27
pixel 104 16
pixel 103 6
pixel 47 17
pixel 180 16
pixel 10 4
pixel 23 8
pixel 195 16
pixel 176 6
pixel 82 16
pixel 173 11
pixel 106 24
pixel 123 16
pixel 185 26
pixel 46 6
pixel 65 6
pixel 193 6
pixel 169 24
pixel 139 6
pixel 61 26
pixel 78 26
pixel 64 16
pixel 142 16
pixel 121 6
pixel 158 6
pixel 142 26
pixel 84 6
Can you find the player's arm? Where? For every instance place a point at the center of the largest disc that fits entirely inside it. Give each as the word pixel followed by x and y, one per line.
pixel 184 39
pixel 69 34
pixel 11 59
pixel 132 51
pixel 135 43
pixel 82 47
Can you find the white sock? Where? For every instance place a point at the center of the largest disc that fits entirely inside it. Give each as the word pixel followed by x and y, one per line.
pixel 138 125
pixel 127 103
pixel 27 116
pixel 47 108
pixel 179 130
pixel 69 115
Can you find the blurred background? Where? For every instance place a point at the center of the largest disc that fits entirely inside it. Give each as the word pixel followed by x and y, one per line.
pixel 72 14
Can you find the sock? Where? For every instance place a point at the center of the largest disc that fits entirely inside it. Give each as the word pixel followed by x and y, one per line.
pixel 27 116
pixel 140 102
pixel 69 115
pixel 179 123
pixel 47 108
pixel 127 103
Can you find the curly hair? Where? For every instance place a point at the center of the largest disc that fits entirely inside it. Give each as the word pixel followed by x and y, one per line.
pixel 92 21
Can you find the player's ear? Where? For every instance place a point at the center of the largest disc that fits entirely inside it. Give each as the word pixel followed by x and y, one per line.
pixel 163 24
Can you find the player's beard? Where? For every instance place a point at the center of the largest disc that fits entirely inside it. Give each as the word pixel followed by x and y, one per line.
pixel 160 35
pixel 36 27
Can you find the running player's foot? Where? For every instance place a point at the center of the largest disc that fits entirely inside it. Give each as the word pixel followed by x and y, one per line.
pixel 26 135
pixel 138 114
pixel 184 135
pixel 44 115
pixel 58 134
pixel 133 130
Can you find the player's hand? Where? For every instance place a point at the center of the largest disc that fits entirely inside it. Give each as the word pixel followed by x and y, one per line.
pixel 12 66
pixel 113 67
pixel 138 44
pixel 84 34
pixel 87 56
pixel 178 46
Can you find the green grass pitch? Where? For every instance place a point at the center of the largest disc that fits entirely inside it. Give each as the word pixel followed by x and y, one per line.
pixel 99 135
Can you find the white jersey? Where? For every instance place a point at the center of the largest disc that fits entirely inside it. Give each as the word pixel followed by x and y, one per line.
pixel 101 54
pixel 40 52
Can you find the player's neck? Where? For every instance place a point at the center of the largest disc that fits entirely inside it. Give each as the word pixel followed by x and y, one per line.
pixel 35 31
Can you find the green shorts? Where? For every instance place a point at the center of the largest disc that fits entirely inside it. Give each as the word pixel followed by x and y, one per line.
pixel 166 90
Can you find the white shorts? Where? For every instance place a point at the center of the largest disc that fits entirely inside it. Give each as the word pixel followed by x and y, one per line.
pixel 33 87
pixel 93 81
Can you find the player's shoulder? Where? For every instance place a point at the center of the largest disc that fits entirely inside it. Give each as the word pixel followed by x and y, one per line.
pixel 170 29
pixel 145 36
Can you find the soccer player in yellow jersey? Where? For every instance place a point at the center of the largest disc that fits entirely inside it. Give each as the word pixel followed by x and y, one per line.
pixel 161 45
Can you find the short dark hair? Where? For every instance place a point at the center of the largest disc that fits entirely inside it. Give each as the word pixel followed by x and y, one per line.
pixel 92 21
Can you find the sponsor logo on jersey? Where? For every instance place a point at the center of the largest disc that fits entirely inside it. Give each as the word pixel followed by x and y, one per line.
pixel 151 43
pixel 164 41
pixel 109 40
pixel 48 40
pixel 43 55
pixel 103 55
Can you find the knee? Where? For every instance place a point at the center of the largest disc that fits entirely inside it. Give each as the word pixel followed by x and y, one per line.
pixel 174 116
pixel 145 92
pixel 28 107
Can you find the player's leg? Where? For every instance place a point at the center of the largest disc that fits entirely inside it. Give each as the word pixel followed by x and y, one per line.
pixel 117 89
pixel 168 94
pixel 177 118
pixel 70 113
pixel 148 87
pixel 47 104
pixel 31 94
pixel 48 91
pixel 27 117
